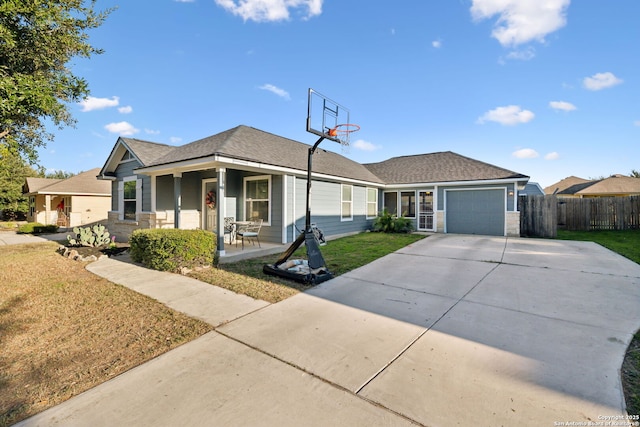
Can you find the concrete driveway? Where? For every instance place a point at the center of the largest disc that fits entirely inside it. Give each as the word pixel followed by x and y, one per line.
pixel 452 330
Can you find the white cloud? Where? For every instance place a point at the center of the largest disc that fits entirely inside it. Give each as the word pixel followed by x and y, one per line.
pixel 151 131
pixel 525 153
pixel 521 21
pixel 637 123
pixel 562 105
pixel 601 81
pixel 522 55
pixel 363 145
pixel 271 10
pixel 92 103
pixel 437 44
pixel 509 115
pixel 175 139
pixel 274 89
pixel 122 128
pixel 125 110
pixel 552 156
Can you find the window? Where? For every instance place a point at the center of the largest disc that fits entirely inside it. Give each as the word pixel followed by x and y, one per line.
pixel 372 202
pixel 391 203
pixel 347 203
pixel 32 205
pixel 129 200
pixel 408 203
pixel 257 196
pixel 126 157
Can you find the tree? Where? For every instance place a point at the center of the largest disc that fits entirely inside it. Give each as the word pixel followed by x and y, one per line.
pixel 634 173
pixel 59 175
pixel 38 38
pixel 13 172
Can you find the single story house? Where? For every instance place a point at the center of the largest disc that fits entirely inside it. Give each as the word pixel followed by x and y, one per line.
pixel 247 174
pixel 613 186
pixel 79 200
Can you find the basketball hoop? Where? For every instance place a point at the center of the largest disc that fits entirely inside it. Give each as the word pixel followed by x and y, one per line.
pixel 342 132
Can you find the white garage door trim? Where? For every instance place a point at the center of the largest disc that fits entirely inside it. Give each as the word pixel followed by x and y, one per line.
pixel 503 210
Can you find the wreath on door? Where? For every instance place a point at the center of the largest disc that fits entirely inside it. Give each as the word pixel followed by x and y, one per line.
pixel 211 199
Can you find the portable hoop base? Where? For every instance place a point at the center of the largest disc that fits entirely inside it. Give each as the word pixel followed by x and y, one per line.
pixel 317 273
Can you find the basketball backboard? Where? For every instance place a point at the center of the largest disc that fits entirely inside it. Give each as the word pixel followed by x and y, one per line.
pixel 328 119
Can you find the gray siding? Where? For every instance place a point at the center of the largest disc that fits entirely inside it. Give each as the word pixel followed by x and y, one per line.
pixel 126 170
pixel 164 193
pixel 326 201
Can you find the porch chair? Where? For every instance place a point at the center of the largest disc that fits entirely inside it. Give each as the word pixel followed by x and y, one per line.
pixel 249 231
pixel 229 227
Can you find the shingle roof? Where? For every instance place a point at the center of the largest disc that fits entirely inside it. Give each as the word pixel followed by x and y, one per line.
pixel 35 184
pixel 443 166
pixel 84 183
pixel 565 184
pixel 147 151
pixel 251 144
pixel 616 184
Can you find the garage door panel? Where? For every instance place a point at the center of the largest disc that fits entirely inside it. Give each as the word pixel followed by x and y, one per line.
pixel 476 212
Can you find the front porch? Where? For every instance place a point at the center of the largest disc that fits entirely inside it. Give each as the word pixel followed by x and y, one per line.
pixel 233 253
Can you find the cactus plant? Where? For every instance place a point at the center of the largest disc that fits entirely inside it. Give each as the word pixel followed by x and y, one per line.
pixel 90 236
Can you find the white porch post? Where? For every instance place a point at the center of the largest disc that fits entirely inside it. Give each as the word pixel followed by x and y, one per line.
pixel 153 193
pixel 221 211
pixel 177 198
pixel 47 209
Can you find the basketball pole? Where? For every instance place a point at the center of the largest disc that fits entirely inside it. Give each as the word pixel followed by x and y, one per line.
pixel 314 255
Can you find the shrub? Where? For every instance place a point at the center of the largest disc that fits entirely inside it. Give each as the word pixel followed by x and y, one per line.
pixel 37 228
pixel 388 223
pixel 170 249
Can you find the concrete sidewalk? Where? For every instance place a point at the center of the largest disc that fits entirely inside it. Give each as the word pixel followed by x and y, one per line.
pixel 452 330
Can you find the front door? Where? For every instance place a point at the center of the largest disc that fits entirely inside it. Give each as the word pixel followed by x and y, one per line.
pixel 425 210
pixel 210 205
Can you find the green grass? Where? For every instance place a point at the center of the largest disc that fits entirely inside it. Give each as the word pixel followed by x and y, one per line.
pixel 340 255
pixel 626 243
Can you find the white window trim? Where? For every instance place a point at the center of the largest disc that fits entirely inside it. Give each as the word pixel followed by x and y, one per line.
pixel 121 197
pixel 130 159
pixel 342 202
pixel 373 202
pixel 244 196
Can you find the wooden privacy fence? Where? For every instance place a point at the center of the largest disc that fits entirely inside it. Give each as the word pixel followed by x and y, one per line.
pixel 541 216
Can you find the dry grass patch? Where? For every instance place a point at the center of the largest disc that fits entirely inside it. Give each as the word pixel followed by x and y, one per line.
pixel 64 330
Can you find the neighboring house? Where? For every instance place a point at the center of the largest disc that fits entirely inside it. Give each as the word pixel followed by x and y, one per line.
pixel 531 189
pixel 614 186
pixel 79 200
pixel 247 174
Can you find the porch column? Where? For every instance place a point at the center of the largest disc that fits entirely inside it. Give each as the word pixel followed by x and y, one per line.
pixel 221 211
pixel 47 209
pixel 177 198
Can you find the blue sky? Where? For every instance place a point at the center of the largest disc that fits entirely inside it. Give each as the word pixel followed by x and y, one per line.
pixel 547 88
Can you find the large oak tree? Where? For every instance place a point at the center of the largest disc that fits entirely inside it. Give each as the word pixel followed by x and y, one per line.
pixel 38 39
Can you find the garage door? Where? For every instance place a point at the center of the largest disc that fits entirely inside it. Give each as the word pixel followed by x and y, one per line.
pixel 476 212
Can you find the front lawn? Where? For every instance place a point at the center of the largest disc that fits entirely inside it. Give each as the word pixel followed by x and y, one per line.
pixel 341 255
pixel 64 330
